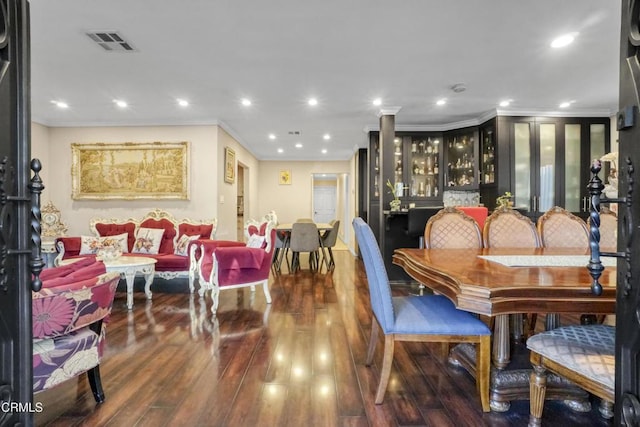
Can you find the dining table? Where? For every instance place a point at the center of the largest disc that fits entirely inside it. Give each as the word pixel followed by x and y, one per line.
pixel 284 230
pixel 497 282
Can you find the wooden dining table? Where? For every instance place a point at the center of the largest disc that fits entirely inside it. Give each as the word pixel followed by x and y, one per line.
pixel 499 282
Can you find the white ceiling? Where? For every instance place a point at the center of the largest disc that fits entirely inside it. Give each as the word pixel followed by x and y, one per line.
pixel 279 53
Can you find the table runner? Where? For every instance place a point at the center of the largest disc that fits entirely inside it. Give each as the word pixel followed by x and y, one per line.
pixel 546 260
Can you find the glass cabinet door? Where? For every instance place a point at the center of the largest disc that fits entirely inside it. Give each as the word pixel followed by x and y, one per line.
pixel 397 168
pixel 522 165
pixel 424 167
pixel 547 167
pixel 488 150
pixel 572 168
pixel 461 160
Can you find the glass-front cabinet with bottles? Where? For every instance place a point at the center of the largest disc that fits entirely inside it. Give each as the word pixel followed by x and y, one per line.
pixel 424 164
pixel 461 157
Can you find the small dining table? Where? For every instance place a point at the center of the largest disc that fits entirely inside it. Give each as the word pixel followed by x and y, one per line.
pixel 498 282
pixel 286 229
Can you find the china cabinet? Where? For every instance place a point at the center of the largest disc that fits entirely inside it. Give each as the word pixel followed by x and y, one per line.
pixel 549 161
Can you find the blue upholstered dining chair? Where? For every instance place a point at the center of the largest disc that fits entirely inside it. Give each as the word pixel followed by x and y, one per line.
pixel 426 318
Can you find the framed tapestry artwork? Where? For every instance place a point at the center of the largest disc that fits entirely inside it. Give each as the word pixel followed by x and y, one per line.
pixel 130 170
pixel 285 177
pixel 229 165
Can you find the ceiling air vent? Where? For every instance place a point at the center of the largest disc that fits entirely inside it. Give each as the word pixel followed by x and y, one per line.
pixel 111 41
pixel 294 132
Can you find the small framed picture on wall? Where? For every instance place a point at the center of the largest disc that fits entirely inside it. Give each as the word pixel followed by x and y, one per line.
pixel 229 165
pixel 285 177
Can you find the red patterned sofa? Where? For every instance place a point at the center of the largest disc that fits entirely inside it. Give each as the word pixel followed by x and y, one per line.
pixel 68 328
pixel 172 247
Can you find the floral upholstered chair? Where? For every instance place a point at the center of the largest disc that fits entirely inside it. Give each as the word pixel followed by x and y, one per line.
pixel 231 265
pixel 68 329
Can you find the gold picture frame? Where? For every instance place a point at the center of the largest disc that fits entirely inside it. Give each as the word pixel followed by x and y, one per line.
pixel 284 177
pixel 229 165
pixel 130 170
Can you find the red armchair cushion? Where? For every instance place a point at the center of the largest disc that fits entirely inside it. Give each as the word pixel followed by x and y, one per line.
pixel 115 229
pixel 53 273
pixel 89 269
pixel 166 245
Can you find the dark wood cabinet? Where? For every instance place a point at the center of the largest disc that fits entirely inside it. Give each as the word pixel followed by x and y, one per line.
pixel 549 160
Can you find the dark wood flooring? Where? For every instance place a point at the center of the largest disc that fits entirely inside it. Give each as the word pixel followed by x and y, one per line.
pixel 296 362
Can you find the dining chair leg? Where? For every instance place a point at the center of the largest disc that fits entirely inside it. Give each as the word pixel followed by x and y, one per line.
pixel 483 369
pixel 373 340
pixel 385 372
pixel 537 390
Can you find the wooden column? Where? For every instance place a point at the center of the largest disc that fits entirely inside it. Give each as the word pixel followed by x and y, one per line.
pixel 387 135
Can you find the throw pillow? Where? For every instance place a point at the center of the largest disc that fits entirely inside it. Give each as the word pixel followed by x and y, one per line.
pixel 90 245
pixel 148 241
pixel 255 241
pixel 183 244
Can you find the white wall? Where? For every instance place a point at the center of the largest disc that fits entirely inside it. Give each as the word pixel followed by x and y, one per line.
pixel 77 213
pixel 291 201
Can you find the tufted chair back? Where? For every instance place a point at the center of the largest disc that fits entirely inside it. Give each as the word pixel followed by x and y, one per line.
pixel 508 228
pixel 452 228
pixel 559 228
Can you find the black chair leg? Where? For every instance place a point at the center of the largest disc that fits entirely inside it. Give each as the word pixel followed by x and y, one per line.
pixel 96 384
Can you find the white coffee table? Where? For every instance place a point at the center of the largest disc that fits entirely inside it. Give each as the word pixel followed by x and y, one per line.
pixel 128 267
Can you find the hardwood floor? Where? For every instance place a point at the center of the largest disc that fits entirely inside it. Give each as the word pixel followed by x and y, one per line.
pixel 296 362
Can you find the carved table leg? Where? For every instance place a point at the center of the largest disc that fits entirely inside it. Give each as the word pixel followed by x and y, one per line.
pixel 148 277
pixel 501 348
pixel 129 276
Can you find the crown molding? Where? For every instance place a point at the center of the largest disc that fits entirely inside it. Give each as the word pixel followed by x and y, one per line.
pixel 389 111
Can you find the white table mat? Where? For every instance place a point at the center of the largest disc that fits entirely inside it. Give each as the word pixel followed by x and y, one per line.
pixel 546 260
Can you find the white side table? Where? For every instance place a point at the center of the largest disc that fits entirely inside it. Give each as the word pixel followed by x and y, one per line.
pixel 128 267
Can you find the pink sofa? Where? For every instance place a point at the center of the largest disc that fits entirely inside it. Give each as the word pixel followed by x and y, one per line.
pixel 68 329
pixel 169 264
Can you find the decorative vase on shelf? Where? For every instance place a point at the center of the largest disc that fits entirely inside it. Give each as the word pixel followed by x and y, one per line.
pixel 394 205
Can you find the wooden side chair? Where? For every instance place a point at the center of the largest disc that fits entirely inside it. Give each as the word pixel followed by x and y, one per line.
pixel 508 228
pixel 584 354
pixel 559 228
pixel 426 318
pixel 451 228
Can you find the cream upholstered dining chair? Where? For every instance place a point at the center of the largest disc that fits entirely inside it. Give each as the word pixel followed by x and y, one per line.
pixel 584 354
pixel 451 228
pixel 508 228
pixel 559 228
pixel 426 318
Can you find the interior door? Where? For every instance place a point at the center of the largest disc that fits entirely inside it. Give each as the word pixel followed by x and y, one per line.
pixel 15 217
pixel 627 407
pixel 324 203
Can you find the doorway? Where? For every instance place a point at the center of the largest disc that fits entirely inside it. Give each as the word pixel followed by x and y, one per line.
pixel 325 191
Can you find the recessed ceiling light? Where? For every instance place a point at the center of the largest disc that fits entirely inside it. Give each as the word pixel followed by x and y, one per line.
pixel 377 102
pixel 280 150
pixel 565 104
pixel 182 102
pixel 298 145
pixel 324 151
pixel 60 104
pixel 326 137
pixel 120 103
pixel 441 101
pixel 246 102
pixel 563 40
pixel 505 103
pixel 313 101
pixel 272 136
